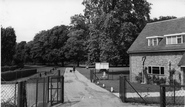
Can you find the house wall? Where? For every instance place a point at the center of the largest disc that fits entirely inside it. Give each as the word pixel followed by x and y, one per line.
pixel 156 59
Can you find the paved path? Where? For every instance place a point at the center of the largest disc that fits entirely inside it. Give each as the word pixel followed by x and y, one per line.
pixel 80 92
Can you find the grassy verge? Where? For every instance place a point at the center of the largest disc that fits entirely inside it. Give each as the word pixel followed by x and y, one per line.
pixel 113 81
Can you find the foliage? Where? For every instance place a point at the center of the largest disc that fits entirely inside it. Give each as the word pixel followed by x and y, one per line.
pixel 13 75
pixel 8 68
pixel 103 34
pixel 161 18
pixel 19 56
pixel 113 24
pixel 156 80
pixel 139 78
pixel 8 43
pixel 171 72
pixel 75 49
pixel 46 47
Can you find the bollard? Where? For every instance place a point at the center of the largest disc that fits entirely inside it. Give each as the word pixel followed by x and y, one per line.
pixel 111 89
pixel 103 85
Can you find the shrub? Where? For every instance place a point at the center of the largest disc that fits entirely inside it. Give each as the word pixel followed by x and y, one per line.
pixel 8 68
pixel 13 75
pixel 139 78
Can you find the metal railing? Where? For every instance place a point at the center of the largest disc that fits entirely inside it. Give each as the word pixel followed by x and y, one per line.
pixel 34 92
pixel 9 94
pixel 172 95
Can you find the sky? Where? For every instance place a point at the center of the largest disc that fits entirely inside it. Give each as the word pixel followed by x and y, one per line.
pixel 29 17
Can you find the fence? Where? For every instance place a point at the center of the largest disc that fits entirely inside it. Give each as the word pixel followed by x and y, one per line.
pixel 165 95
pixel 9 93
pixel 138 93
pixel 110 75
pixel 172 95
pixel 34 92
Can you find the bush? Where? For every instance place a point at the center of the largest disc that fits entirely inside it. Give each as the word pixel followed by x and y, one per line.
pixel 13 75
pixel 158 80
pixel 8 68
pixel 139 78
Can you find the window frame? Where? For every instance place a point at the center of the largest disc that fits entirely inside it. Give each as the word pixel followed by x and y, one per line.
pixel 161 69
pixel 154 40
pixel 172 39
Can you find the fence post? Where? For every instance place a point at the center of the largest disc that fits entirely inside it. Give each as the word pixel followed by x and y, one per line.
pixel 62 89
pixel 174 95
pixel 47 89
pixel 20 102
pixel 91 75
pixel 162 96
pixel 36 99
pixel 122 89
pixel 44 94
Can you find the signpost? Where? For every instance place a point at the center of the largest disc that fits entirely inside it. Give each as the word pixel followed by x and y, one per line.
pixel 103 65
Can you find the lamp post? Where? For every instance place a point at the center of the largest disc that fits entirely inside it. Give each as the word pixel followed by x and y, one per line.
pixel 143 59
pixel 170 77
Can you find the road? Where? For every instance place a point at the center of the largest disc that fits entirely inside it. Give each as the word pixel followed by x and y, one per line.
pixel 80 92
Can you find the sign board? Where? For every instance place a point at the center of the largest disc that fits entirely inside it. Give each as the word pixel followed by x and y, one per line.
pixel 102 66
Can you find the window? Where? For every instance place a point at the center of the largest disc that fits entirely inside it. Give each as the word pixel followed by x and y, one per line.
pixel 179 39
pixel 156 70
pixel 154 40
pixel 175 39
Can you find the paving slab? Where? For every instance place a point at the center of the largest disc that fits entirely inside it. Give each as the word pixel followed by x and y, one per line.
pixel 80 92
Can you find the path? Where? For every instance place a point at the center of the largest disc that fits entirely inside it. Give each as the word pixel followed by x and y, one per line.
pixel 80 92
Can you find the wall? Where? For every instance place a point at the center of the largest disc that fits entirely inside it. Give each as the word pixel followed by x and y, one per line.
pixel 156 59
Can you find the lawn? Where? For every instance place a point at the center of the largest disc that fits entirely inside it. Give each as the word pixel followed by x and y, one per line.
pixel 113 80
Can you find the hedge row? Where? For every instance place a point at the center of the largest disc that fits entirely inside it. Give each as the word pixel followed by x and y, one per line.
pixel 8 68
pixel 13 75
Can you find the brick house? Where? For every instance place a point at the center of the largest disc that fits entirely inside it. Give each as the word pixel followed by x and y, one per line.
pixel 160 47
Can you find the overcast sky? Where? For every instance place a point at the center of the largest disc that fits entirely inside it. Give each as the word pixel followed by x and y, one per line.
pixel 28 17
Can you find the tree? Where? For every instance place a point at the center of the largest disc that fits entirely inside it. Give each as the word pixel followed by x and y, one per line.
pixel 47 45
pixel 75 48
pixel 116 21
pixel 161 18
pixel 8 42
pixel 19 57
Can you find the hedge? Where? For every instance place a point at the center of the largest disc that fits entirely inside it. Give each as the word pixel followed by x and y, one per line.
pixel 13 75
pixel 8 68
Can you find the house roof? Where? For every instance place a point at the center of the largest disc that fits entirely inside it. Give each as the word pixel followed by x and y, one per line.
pixel 160 28
pixel 182 61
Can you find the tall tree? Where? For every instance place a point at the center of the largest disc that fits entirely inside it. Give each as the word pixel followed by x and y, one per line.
pixel 75 45
pixel 19 57
pixel 47 45
pixel 116 21
pixel 8 43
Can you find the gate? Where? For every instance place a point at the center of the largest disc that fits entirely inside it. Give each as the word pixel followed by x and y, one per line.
pixel 56 90
pixel 45 91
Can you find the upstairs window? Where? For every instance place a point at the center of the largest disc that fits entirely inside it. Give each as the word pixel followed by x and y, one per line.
pixel 154 40
pixel 175 38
